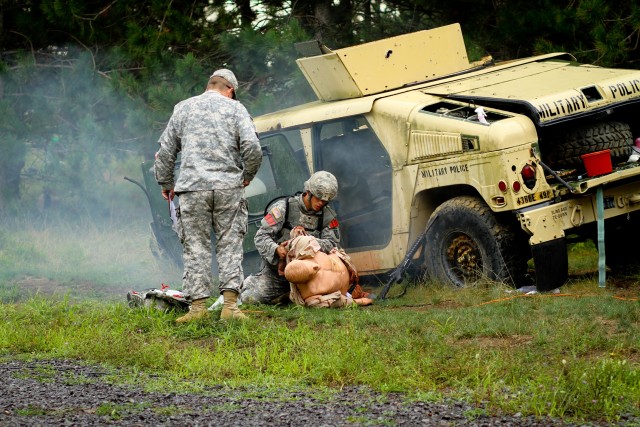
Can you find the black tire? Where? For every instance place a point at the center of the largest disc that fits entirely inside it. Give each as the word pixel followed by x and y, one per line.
pixel 465 244
pixel 565 152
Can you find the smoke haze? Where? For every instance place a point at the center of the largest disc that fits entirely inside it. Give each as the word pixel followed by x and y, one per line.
pixel 68 137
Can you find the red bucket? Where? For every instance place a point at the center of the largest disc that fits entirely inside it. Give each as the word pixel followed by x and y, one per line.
pixel 597 163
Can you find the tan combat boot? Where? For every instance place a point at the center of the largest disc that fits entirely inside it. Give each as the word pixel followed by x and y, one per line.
pixel 230 310
pixel 197 310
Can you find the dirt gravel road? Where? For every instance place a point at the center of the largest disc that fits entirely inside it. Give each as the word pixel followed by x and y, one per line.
pixel 68 393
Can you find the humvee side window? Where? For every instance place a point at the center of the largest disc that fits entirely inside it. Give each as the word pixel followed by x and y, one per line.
pixel 349 149
pixel 282 172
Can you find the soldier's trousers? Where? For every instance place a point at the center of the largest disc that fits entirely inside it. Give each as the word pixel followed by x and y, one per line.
pixel 265 287
pixel 226 212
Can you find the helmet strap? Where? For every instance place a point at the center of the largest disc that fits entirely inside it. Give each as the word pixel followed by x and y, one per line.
pixel 306 197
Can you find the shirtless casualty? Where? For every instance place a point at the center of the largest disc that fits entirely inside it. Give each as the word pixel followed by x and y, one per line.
pixel 318 279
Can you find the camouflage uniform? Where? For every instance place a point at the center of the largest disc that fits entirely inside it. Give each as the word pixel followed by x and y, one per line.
pixel 267 286
pixel 219 149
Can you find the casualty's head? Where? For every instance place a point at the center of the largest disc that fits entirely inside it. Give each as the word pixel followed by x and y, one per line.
pixel 224 81
pixel 319 189
pixel 300 271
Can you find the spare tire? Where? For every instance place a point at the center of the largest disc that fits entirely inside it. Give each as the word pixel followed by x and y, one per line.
pixel 565 151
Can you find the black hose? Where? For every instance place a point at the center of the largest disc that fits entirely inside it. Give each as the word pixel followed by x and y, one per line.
pixel 556 176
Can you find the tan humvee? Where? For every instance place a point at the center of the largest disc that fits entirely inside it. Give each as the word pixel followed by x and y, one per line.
pixel 480 161
pixel 469 170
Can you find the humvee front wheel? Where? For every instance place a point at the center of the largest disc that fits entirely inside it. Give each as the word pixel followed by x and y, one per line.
pixel 465 244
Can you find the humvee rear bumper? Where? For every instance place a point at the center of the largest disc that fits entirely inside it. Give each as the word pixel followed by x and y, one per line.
pixel 547 223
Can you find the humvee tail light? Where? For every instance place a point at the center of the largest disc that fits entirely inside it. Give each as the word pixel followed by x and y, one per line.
pixel 498 201
pixel 528 174
pixel 502 185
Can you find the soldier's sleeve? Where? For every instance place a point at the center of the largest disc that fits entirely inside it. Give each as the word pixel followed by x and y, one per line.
pixel 170 146
pixel 249 144
pixel 267 235
pixel 330 234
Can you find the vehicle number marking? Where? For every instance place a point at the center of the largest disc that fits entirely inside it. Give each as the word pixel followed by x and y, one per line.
pixel 530 198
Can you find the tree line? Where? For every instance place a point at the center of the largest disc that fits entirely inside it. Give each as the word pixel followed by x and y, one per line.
pixel 87 86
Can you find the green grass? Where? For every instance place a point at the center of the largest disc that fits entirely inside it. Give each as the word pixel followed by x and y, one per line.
pixel 574 355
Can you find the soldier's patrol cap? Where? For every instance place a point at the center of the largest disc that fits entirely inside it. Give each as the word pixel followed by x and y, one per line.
pixel 228 76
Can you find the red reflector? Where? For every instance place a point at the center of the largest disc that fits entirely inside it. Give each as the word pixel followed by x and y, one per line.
pixel 515 186
pixel 502 186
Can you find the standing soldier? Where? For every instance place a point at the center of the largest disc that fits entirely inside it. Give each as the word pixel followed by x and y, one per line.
pixel 220 156
pixel 306 213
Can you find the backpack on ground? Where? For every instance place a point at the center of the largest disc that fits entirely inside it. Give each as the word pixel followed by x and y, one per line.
pixel 162 299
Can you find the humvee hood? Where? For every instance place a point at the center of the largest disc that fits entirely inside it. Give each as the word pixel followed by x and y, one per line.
pixel 551 91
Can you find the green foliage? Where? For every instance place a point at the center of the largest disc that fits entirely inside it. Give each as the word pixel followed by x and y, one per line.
pixel 265 60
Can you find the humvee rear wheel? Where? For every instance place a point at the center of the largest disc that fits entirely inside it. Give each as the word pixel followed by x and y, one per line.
pixel 465 244
pixel 566 151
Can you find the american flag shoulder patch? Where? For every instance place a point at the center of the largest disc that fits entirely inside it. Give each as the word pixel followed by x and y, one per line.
pixel 333 223
pixel 273 217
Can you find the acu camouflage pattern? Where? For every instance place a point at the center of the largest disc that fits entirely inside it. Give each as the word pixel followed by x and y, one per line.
pixel 226 211
pixel 219 149
pixel 218 144
pixel 268 237
pixel 323 185
pixel 266 286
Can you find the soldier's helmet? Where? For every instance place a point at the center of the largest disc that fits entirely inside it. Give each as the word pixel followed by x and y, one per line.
pixel 323 185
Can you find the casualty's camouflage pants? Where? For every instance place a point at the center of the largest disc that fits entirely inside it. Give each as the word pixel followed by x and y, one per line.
pixel 226 211
pixel 265 287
